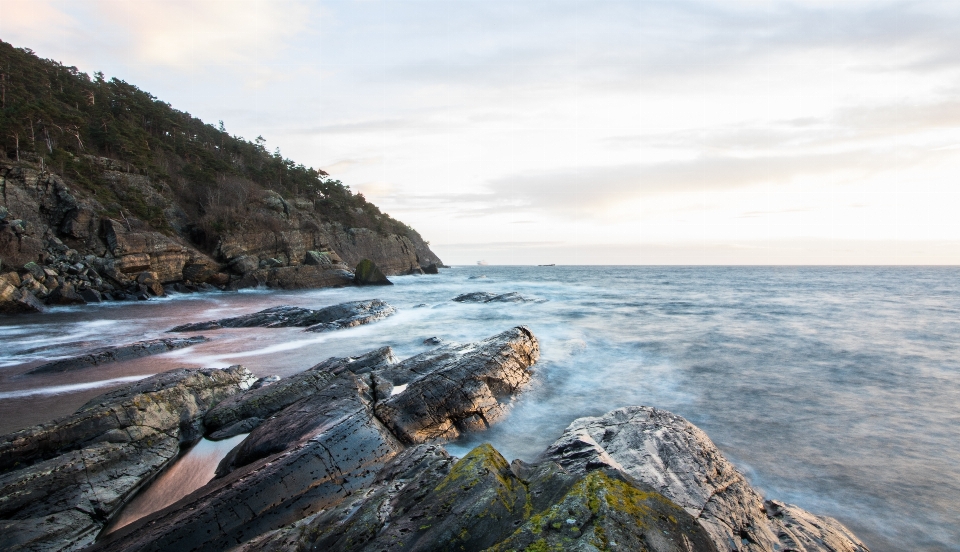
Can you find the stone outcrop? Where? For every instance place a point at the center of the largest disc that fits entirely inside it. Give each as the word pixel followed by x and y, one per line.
pixel 62 481
pixel 367 274
pixel 326 445
pixel 424 500
pixel 679 461
pixel 454 388
pixel 106 355
pixel 488 297
pixel 335 317
pixel 86 252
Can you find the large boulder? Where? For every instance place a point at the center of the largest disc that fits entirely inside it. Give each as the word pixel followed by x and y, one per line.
pixel 17 301
pixel 367 274
pixel 335 317
pixel 678 460
pixel 62 481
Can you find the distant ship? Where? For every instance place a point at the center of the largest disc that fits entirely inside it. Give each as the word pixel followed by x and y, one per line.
pixel 482 263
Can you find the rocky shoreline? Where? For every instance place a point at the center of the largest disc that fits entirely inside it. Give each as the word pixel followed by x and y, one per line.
pixel 60 246
pixel 346 455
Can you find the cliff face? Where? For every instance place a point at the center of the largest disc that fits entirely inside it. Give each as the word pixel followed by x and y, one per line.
pixel 111 193
pixel 56 235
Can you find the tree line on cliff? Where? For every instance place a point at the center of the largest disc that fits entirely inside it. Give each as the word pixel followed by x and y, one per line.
pixel 66 120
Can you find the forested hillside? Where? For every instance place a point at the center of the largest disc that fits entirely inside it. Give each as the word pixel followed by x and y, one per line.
pixel 107 192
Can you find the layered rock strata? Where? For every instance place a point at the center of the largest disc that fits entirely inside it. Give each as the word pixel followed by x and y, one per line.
pixel 106 355
pixel 62 481
pixel 59 245
pixel 335 317
pixel 331 439
pixel 677 459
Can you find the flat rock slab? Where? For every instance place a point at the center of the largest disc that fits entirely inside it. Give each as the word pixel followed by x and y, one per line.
pixel 678 460
pixel 344 315
pixel 62 481
pixel 487 297
pixel 115 354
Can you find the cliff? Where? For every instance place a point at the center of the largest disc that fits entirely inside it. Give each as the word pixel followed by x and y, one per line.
pixel 108 193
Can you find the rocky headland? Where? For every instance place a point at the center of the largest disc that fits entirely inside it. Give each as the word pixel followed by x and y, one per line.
pixel 126 198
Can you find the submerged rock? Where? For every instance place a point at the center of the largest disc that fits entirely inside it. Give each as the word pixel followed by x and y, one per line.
pixel 487 297
pixel 62 481
pixel 344 315
pixel 367 274
pixel 114 354
pixel 678 460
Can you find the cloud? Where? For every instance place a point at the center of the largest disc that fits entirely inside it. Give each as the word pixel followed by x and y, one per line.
pixel 185 34
pixel 589 192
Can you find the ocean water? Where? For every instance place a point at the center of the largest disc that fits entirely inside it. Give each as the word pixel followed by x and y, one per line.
pixel 836 389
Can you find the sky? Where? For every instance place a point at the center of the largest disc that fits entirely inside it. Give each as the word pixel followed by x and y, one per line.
pixel 575 132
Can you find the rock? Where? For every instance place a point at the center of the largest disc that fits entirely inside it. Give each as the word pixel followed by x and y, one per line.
pixel 270 263
pixel 317 258
pixel 35 270
pixel 266 400
pixel 17 301
pixel 431 269
pixel 679 461
pixel 118 353
pixel 321 449
pixel 344 315
pixel 306 277
pixel 433 341
pixel 367 274
pixel 455 388
pixel 151 280
pixel 333 447
pixel 487 297
pixel 61 481
pixel 423 500
pixel 91 295
pixel 11 278
pixel 245 264
pixel 65 294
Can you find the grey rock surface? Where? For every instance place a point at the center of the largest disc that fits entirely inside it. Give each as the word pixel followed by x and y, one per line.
pixel 678 460
pixel 454 388
pixel 425 500
pixel 114 354
pixel 62 481
pixel 329 444
pixel 488 297
pixel 344 315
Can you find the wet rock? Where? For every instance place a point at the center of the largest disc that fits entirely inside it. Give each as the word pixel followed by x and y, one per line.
pixel 456 388
pixel 367 274
pixel 344 315
pixel 60 482
pixel 487 297
pixel 679 461
pixel 91 295
pixel 424 500
pixel 266 400
pixel 431 269
pixel 115 354
pixel 333 447
pixel 323 448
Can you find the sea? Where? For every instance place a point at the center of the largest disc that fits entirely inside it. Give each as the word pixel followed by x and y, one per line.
pixel 833 388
